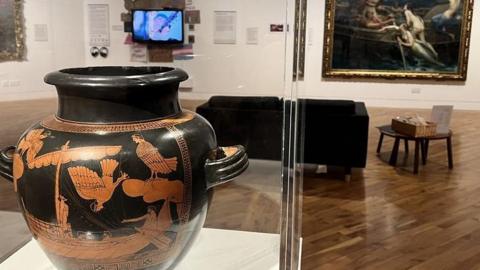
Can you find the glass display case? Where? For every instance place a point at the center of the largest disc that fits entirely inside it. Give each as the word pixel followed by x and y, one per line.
pixel 241 134
pixel 242 64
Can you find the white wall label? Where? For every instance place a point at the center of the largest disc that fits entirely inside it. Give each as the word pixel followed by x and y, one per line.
pixel 442 115
pixel 99 25
pixel 310 36
pixel 117 27
pixel 41 32
pixel 252 35
pixel 138 53
pixel 225 27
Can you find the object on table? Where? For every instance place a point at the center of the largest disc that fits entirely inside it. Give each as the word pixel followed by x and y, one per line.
pixel 414 126
pixel 442 116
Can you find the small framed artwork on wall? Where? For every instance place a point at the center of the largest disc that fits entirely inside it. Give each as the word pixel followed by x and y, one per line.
pixel 414 39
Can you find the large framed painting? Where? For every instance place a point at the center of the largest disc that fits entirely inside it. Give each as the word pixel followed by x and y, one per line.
pixel 410 39
pixel 12 37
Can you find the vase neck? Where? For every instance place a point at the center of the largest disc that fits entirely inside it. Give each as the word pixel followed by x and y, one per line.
pixel 117 94
pixel 117 105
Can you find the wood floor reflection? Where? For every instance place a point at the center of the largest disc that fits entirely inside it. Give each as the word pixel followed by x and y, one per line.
pixel 388 218
pixel 236 207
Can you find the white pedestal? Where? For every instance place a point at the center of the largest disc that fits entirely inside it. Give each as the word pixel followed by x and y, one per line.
pixel 213 250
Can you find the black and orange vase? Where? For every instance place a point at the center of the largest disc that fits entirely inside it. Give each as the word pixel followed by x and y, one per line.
pixel 120 177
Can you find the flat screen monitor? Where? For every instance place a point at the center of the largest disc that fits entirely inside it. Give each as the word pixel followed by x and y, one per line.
pixel 158 26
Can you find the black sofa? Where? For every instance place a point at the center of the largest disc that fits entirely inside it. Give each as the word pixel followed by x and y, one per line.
pixel 254 122
pixel 333 132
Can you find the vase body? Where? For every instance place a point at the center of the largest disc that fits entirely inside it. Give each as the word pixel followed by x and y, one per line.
pixel 119 178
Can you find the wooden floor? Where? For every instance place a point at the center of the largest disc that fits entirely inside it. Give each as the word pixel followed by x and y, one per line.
pixel 388 218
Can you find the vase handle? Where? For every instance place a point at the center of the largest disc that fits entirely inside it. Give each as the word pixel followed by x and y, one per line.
pixel 224 164
pixel 6 162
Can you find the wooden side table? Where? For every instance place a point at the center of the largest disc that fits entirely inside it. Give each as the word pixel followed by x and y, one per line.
pixel 421 146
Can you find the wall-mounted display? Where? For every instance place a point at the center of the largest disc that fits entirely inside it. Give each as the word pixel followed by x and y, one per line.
pixel 12 37
pixel 159 26
pixel 41 32
pixel 252 35
pixel 417 39
pixel 159 55
pixel 192 16
pixel 189 5
pixel 276 27
pixel 138 53
pixel 99 25
pixel 185 52
pixel 225 27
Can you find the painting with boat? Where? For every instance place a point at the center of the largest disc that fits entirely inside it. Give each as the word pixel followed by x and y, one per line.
pixel 419 39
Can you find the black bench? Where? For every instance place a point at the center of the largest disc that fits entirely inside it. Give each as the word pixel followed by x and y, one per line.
pixel 331 132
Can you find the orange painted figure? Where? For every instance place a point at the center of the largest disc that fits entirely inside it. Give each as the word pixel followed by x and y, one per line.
pixel 155 225
pixel 32 144
pixel 66 230
pixel 18 169
pixel 92 187
pixel 153 159
pixel 29 145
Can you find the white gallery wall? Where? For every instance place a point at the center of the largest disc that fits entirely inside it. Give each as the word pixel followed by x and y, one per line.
pixel 238 69
pixel 218 69
pixel 259 69
pixel 64 48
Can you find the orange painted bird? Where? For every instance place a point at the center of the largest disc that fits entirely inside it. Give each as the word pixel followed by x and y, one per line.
pixel 91 187
pixel 153 159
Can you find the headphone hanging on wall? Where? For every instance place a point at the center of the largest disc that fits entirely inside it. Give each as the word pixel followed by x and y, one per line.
pixel 104 52
pixel 95 51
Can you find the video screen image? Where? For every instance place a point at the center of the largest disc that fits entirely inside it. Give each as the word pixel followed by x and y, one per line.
pixel 159 25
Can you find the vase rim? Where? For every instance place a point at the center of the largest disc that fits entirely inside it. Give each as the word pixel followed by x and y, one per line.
pixel 116 76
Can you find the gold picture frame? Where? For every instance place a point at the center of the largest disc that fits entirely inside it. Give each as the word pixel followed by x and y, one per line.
pixel 12 32
pixel 373 45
